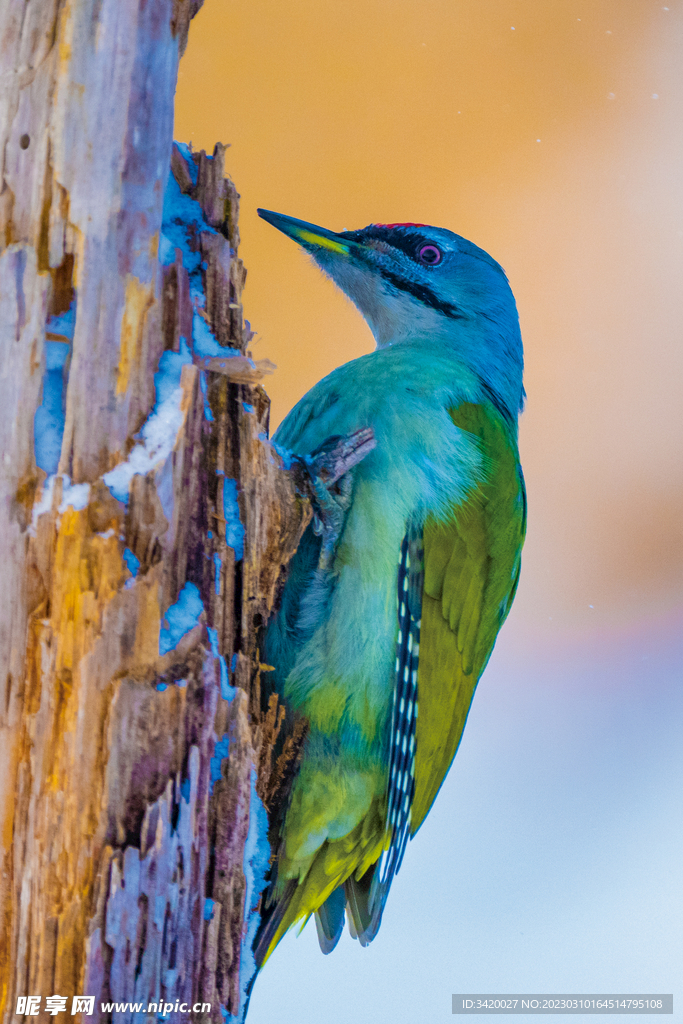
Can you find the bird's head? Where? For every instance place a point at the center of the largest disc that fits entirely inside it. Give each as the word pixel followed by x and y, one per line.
pixel 418 283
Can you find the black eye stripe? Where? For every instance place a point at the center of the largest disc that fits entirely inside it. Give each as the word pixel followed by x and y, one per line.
pixel 409 244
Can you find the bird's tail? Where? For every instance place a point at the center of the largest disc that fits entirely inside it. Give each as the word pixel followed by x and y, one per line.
pixel 365 900
pixel 328 884
pixel 271 920
pixel 329 920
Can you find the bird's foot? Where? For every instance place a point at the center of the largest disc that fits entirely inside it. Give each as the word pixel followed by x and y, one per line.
pixel 330 484
pixel 329 512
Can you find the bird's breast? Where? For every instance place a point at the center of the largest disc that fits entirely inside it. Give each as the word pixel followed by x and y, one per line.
pixel 343 677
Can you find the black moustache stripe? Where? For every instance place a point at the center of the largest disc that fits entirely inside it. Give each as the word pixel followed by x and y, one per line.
pixel 424 294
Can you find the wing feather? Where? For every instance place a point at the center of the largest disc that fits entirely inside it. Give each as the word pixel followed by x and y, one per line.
pixel 471 570
pixel 368 889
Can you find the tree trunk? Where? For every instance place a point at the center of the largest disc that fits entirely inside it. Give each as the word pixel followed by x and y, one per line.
pixel 144 526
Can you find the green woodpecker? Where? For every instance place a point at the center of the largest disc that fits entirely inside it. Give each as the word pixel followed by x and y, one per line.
pixel 388 618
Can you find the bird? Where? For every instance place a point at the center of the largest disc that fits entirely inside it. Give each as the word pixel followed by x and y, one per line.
pixel 402 581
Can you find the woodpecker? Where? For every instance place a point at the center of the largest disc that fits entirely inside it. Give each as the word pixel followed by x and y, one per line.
pixel 380 640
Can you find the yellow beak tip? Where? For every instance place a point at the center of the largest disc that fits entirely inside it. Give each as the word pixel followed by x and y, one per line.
pixel 325 243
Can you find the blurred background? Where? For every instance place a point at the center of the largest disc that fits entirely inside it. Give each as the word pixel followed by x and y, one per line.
pixel 549 133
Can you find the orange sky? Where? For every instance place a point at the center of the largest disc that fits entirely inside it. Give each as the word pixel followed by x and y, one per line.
pixel 345 113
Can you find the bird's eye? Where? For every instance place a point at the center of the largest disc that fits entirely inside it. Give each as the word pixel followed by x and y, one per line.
pixel 429 255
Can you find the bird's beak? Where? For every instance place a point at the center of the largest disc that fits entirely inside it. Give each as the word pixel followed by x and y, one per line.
pixel 308 235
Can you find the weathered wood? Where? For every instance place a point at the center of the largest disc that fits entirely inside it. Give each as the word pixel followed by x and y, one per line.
pixel 133 759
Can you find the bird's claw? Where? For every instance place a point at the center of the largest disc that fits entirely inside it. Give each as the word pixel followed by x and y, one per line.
pixel 330 485
pixel 330 507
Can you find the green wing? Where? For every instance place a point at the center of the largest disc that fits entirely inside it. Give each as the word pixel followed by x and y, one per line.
pixel 471 565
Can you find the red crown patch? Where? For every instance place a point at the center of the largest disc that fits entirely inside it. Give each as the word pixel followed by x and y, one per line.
pixel 407 225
